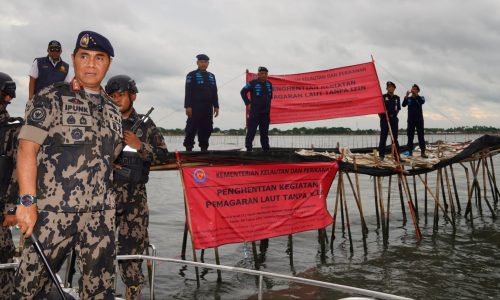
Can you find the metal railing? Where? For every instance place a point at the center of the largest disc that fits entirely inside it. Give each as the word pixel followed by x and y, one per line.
pixel 262 274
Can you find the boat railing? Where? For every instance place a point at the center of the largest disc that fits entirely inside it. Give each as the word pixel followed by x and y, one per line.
pixel 262 274
pixel 258 273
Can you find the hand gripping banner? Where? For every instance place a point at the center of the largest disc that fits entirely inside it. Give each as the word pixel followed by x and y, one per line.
pixel 232 204
pixel 342 92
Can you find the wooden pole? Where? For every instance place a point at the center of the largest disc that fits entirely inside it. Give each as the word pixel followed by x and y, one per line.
pixel 335 214
pixel 497 193
pixel 364 228
pixel 382 211
pixel 403 209
pixel 425 199
pixel 484 188
pixel 442 191
pixel 436 203
pixel 375 197
pixel 415 195
pixel 346 215
pixel 459 207
pixel 360 203
pixel 468 208
pixel 217 262
pixel 388 211
pixel 448 186
pixel 290 249
pixel 186 206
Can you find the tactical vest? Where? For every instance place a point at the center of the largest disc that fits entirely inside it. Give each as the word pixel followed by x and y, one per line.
pixel 48 74
pixel 6 162
pixel 134 170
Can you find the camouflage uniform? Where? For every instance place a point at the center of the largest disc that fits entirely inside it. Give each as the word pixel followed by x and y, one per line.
pixel 132 216
pixel 80 136
pixel 8 146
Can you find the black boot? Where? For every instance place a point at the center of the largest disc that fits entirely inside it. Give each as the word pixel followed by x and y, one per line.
pixel 204 149
pixel 189 148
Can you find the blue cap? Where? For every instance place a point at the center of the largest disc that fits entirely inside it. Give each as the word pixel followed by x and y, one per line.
pixel 90 40
pixel 202 57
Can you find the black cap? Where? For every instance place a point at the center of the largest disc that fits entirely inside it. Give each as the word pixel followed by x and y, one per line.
pixel 263 69
pixel 202 57
pixel 389 83
pixel 7 85
pixel 54 44
pixel 90 40
pixel 416 86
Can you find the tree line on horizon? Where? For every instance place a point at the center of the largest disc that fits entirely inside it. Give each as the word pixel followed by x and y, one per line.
pixel 342 131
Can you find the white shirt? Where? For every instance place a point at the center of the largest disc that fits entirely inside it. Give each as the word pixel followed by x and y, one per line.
pixel 34 70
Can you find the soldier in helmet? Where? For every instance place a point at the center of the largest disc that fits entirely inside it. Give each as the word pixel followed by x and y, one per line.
pixel 9 129
pixel 144 147
pixel 201 103
pixel 65 160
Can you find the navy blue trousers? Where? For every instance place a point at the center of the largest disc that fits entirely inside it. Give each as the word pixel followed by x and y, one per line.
pixel 262 121
pixel 200 123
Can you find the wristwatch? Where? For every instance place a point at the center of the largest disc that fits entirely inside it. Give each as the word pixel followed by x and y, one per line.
pixel 27 200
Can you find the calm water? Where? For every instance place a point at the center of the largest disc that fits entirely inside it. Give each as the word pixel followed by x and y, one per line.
pixel 445 265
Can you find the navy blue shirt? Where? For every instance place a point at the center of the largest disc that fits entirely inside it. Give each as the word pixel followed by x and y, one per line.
pixel 261 94
pixel 414 105
pixel 201 90
pixel 392 105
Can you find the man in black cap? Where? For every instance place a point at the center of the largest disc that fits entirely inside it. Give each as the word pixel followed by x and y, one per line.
pixel 258 108
pixel 415 118
pixel 392 106
pixel 67 147
pixel 48 69
pixel 201 103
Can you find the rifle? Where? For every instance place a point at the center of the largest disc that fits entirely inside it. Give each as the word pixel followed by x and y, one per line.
pixel 138 123
pixel 126 172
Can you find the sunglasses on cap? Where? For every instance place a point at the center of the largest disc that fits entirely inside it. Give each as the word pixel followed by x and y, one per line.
pixel 55 49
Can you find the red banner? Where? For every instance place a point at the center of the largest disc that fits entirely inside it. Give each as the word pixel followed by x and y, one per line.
pixel 342 92
pixel 232 204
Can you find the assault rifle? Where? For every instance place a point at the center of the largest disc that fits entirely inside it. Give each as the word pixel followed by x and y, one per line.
pixel 127 173
pixel 138 123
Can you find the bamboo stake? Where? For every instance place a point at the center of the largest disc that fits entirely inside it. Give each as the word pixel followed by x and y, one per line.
pixel 376 200
pixel 217 262
pixel 382 211
pixel 335 215
pixel 364 228
pixel 448 186
pixel 341 183
pixel 484 186
pixel 415 194
pixel 255 258
pixel 346 215
pixel 469 195
pixel 186 206
pixel 403 209
pixel 290 249
pixel 436 204
pixel 388 210
pixel 497 193
pixel 442 191
pixel 475 185
pixel 491 179
pixel 459 208
pixel 425 199
pixel 360 203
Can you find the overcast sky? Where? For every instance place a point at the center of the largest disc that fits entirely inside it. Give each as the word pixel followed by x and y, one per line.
pixel 450 48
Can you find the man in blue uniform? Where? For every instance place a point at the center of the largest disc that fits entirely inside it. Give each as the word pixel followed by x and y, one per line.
pixel 392 106
pixel 48 69
pixel 258 108
pixel 415 118
pixel 201 103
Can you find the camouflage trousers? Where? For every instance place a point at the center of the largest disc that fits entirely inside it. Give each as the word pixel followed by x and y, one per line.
pixel 6 254
pixel 92 234
pixel 132 220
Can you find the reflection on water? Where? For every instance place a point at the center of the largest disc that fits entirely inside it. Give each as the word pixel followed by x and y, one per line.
pixel 444 265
